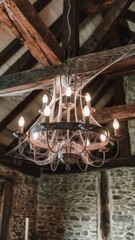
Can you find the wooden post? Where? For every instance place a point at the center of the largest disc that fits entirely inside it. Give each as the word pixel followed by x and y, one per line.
pixel 104 200
pixel 6 208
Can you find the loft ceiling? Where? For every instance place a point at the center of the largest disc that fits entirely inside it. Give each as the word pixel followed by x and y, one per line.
pixel 33 35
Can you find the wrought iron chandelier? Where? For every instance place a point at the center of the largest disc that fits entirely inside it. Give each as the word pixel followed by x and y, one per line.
pixel 66 131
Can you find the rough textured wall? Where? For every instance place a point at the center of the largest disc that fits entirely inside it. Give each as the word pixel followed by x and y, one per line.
pixel 130 98
pixel 24 203
pixel 122 203
pixel 68 207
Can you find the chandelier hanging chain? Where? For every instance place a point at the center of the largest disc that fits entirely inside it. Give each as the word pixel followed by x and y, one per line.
pixel 69 39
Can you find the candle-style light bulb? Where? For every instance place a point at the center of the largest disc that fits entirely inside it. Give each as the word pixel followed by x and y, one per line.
pixel 87 142
pixel 45 98
pixel 87 97
pixel 86 113
pixel 68 94
pixel 47 111
pixel 102 137
pixel 116 125
pixel 21 123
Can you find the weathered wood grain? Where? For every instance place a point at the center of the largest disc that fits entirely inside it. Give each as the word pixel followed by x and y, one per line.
pixel 108 61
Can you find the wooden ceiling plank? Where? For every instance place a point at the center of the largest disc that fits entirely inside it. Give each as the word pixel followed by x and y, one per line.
pixel 18 109
pixel 11 49
pixel 91 6
pixel 106 61
pixel 70 30
pixel 122 113
pixel 34 32
pixel 101 34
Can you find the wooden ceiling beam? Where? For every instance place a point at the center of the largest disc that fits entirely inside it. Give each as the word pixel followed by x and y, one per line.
pixel 91 6
pixel 26 61
pixel 102 62
pixel 34 33
pixel 15 45
pixel 122 113
pixel 102 32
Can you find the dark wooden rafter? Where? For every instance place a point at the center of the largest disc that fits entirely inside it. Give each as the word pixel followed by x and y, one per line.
pixel 70 28
pixel 122 112
pixel 16 44
pixel 130 15
pixel 101 34
pixel 104 62
pixel 96 6
pixel 127 35
pixel 33 31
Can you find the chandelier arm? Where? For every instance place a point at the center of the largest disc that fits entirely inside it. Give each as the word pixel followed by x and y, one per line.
pixel 61 143
pixel 54 168
pixel 76 118
pixel 21 151
pixel 86 165
pixel 60 103
pixel 106 159
pixel 60 109
pixel 81 103
pixel 53 101
pixel 83 170
pixel 92 163
pixel 84 148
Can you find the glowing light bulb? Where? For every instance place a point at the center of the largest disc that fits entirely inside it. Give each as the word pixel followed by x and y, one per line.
pixel 102 137
pixel 87 142
pixel 86 111
pixel 47 111
pixel 21 123
pixel 68 92
pixel 87 97
pixel 116 124
pixel 35 135
pixel 45 99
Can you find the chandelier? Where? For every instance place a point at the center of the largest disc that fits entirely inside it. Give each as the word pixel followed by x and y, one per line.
pixel 66 131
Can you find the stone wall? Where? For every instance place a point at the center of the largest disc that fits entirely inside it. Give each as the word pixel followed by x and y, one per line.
pixel 23 203
pixel 122 203
pixel 68 207
pixel 130 98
